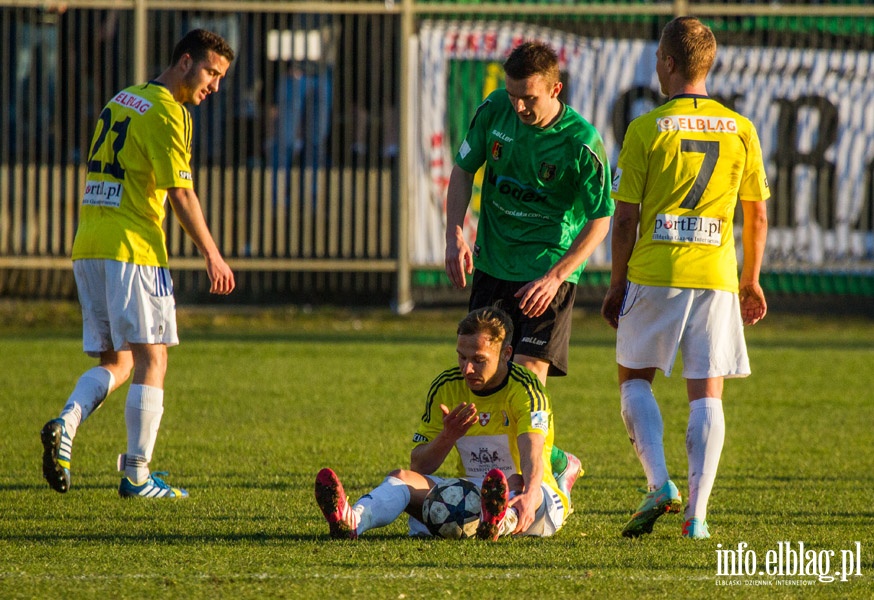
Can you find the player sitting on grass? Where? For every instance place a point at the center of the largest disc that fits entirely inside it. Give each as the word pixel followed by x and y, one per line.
pixel 502 428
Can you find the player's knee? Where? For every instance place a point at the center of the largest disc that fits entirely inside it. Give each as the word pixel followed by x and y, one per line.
pixel 150 361
pixel 515 482
pixel 120 364
pixel 122 374
pixel 401 474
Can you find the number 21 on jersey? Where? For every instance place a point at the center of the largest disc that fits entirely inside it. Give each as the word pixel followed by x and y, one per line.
pixel 111 165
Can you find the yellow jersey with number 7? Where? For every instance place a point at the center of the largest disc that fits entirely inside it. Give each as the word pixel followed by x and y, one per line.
pixel 140 148
pixel 687 163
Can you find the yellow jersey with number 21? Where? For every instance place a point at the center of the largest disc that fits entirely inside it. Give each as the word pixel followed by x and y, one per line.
pixel 141 147
pixel 687 163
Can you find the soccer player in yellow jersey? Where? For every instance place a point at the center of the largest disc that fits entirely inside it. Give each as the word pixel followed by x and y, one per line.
pixel 502 429
pixel 674 284
pixel 140 157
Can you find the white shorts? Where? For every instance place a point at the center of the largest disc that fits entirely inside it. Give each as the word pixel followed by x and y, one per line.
pixel 548 519
pixel 124 304
pixel 705 325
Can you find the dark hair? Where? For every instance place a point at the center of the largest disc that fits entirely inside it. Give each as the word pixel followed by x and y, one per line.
pixel 198 42
pixel 691 44
pixel 532 58
pixel 489 320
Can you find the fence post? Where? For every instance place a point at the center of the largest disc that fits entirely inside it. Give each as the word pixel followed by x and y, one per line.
pixel 141 34
pixel 404 299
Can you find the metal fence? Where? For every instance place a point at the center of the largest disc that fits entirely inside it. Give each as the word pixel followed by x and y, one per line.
pixel 304 160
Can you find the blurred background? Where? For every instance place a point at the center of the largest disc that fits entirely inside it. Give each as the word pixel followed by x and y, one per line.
pixel 322 163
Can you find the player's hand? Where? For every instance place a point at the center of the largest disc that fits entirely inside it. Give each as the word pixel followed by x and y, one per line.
pixel 536 296
pixel 459 259
pixel 526 506
pixel 221 278
pixel 753 306
pixel 612 305
pixel 457 421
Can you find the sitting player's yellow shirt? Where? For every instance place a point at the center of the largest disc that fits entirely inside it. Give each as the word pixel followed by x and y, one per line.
pixel 520 405
pixel 141 147
pixel 687 163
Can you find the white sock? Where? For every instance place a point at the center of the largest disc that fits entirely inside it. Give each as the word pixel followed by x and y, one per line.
pixel 704 438
pixel 643 421
pixel 90 392
pixel 509 522
pixel 382 505
pixel 142 414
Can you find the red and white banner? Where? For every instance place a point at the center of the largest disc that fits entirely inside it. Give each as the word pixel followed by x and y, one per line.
pixel 814 111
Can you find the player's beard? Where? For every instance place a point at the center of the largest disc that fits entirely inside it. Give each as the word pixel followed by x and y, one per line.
pixel 193 87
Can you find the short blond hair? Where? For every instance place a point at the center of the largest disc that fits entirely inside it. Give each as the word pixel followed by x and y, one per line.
pixel 691 44
pixel 490 321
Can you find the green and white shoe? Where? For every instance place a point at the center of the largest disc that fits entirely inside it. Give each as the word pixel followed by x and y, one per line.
pixel 567 478
pixel 656 503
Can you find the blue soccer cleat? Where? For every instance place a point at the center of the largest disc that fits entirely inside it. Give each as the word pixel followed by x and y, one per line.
pixel 57 447
pixel 664 500
pixel 696 529
pixel 153 487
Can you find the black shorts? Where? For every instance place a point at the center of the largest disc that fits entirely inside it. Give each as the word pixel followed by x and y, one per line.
pixel 546 337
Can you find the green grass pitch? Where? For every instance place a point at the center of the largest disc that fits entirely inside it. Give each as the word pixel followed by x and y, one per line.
pixel 257 403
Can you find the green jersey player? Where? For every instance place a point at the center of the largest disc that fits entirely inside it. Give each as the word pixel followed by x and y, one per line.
pixel 545 207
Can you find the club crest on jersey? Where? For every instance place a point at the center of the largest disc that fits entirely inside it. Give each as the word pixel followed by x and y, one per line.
pixel 666 124
pixel 484 418
pixel 547 171
pixel 497 149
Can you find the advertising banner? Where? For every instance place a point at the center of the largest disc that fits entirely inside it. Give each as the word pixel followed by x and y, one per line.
pixel 814 111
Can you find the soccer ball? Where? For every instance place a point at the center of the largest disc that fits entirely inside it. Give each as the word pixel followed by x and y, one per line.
pixel 452 509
